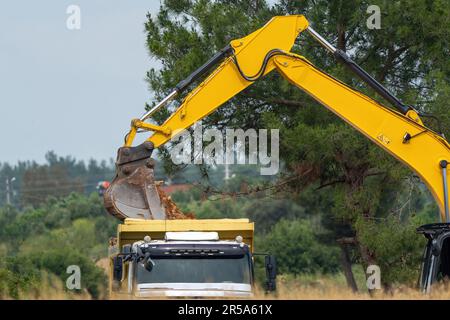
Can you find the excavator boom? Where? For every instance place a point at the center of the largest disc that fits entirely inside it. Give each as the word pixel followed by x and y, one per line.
pixel 401 133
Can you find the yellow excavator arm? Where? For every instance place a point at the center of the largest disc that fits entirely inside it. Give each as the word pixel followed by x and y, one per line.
pixel 244 61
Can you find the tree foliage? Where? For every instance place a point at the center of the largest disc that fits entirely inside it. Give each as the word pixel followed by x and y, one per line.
pixel 57 177
pixel 73 230
pixel 298 250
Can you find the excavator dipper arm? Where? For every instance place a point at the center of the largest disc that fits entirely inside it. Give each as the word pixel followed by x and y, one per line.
pixel 401 133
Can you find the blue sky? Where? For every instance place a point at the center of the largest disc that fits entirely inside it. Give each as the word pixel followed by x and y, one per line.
pixel 71 91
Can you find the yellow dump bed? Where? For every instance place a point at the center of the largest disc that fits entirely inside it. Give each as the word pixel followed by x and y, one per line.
pixel 136 229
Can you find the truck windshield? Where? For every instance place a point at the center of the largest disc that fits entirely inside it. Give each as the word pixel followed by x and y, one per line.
pixel 196 270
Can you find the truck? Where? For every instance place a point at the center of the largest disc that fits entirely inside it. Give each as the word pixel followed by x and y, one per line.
pixel 185 258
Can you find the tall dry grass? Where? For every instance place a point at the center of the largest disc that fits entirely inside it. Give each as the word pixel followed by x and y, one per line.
pixel 51 288
pixel 301 288
pixel 326 289
pixel 284 293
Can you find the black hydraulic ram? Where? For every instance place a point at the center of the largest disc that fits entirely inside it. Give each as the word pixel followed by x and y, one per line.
pixel 342 57
pixel 183 84
pixel 443 164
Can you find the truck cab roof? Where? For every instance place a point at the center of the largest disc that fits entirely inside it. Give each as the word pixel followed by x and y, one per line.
pixel 191 243
pixel 134 230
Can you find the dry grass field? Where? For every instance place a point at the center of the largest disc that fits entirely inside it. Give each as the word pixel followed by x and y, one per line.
pixel 55 291
pixel 307 287
pixel 339 293
pixel 284 293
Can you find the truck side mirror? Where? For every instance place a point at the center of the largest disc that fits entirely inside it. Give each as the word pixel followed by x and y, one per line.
pixel 148 263
pixel 117 268
pixel 126 249
pixel 117 271
pixel 271 272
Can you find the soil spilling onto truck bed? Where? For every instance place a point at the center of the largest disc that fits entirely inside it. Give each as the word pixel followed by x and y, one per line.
pixel 172 211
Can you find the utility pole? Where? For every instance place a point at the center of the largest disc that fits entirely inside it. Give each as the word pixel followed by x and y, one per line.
pixel 9 189
pixel 227 172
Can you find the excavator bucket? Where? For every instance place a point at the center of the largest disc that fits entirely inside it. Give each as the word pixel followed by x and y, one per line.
pixel 133 192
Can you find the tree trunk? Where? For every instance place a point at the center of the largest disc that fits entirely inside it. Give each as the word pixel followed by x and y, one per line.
pixel 347 264
pixel 368 259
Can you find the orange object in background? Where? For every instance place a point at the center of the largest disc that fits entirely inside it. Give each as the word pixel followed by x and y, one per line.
pixel 102 186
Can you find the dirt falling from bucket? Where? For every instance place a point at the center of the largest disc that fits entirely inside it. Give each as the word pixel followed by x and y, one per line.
pixel 172 211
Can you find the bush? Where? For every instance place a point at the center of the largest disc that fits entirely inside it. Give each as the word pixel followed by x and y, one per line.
pixel 61 232
pixel 267 212
pixel 396 246
pixel 298 250
pixel 17 275
pixel 56 261
pixel 216 209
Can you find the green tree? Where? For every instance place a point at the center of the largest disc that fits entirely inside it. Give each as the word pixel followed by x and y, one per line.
pixel 266 212
pixel 56 261
pixel 41 182
pixel 298 249
pixel 45 240
pixel 18 275
pixel 216 209
pixel 57 177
